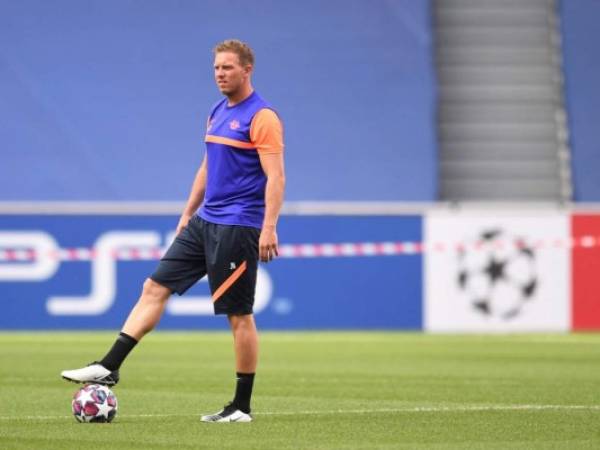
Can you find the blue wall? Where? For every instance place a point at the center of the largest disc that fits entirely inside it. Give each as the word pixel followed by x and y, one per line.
pixel 107 100
pixel 368 292
pixel 581 37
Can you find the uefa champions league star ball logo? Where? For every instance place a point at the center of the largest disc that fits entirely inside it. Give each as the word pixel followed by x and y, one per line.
pixel 497 274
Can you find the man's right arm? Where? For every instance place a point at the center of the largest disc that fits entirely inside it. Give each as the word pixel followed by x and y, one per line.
pixel 195 198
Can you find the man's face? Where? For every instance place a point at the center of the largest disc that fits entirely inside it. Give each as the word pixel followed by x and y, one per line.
pixel 229 73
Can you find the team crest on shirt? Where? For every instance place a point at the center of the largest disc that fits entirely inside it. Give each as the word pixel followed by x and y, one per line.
pixel 234 124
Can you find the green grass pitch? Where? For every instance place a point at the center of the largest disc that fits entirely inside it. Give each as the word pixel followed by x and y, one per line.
pixel 313 391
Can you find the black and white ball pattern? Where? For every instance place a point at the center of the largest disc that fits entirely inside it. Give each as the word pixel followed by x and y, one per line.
pixel 497 273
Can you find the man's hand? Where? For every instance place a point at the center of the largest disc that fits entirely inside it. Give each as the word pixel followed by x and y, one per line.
pixel 185 218
pixel 267 244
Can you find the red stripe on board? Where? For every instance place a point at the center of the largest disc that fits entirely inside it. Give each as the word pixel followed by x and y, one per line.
pixel 585 270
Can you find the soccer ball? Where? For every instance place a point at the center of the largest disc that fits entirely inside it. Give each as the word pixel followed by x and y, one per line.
pixel 94 403
pixel 497 273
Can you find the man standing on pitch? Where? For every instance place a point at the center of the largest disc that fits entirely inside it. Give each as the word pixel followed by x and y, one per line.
pixel 228 224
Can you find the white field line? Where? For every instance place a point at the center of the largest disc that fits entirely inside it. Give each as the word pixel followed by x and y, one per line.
pixel 416 409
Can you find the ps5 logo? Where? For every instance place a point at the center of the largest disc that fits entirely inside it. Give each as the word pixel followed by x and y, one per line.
pixel 103 273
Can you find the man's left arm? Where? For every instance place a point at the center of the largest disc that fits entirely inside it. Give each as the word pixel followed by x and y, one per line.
pixel 272 165
pixel 267 134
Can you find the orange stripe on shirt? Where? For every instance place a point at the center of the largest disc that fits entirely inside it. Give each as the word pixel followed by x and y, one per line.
pixel 228 141
pixel 229 281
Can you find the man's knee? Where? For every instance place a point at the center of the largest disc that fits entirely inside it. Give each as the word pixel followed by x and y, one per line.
pixel 155 292
pixel 242 322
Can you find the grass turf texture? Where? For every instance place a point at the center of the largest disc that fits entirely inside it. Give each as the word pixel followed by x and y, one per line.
pixel 313 391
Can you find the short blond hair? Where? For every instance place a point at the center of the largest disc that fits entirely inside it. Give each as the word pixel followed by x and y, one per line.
pixel 243 50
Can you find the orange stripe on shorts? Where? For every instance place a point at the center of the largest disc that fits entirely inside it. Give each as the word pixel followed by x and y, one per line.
pixel 229 281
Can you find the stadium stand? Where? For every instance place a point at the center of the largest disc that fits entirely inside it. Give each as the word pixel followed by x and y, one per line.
pixel 97 101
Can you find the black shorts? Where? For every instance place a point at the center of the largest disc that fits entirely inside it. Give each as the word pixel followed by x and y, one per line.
pixel 227 253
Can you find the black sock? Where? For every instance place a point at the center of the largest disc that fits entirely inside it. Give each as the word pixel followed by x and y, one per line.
pixel 243 391
pixel 119 351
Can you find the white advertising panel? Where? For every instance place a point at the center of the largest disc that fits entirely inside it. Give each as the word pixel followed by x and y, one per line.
pixel 497 272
